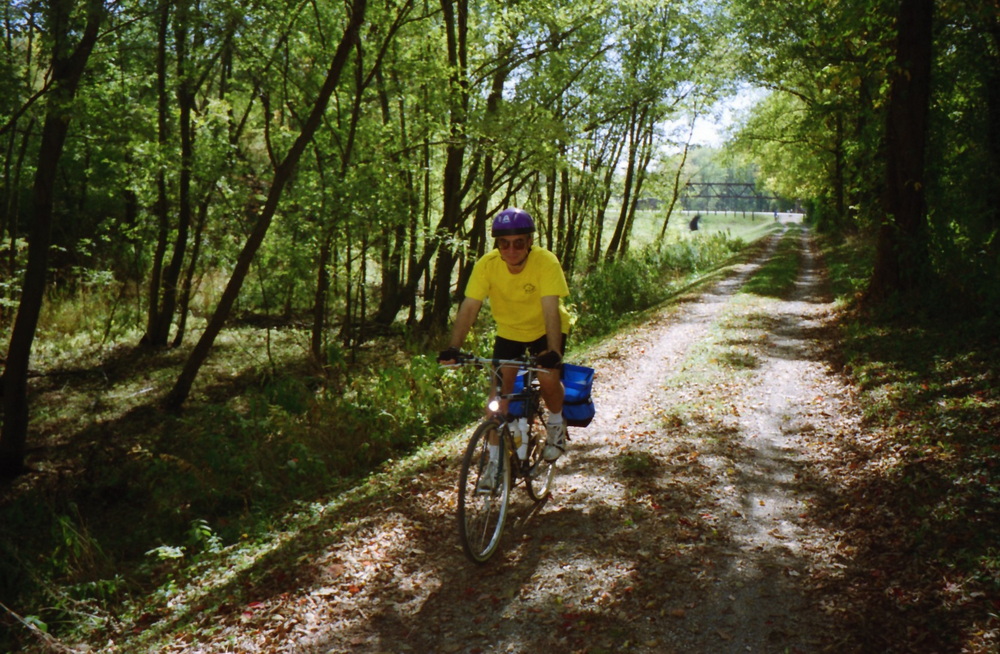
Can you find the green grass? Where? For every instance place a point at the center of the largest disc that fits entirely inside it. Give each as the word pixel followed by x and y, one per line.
pixel 648 225
pixel 776 278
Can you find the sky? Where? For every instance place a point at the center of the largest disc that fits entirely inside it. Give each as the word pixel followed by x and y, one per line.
pixel 710 129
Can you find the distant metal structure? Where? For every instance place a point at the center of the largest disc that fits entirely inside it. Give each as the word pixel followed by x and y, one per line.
pixel 724 191
pixel 734 196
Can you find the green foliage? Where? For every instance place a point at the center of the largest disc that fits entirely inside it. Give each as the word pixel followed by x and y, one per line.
pixel 818 136
pixel 194 485
pixel 392 410
pixel 605 296
pixel 848 261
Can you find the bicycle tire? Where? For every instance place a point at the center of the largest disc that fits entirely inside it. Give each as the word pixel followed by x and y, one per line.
pixel 538 482
pixel 481 515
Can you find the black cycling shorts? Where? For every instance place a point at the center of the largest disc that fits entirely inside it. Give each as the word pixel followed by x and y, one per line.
pixel 504 348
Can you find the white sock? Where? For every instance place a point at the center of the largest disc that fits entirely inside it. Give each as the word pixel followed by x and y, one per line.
pixel 555 418
pixel 494 451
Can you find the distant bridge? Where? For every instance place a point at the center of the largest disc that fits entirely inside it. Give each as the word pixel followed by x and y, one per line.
pixel 724 191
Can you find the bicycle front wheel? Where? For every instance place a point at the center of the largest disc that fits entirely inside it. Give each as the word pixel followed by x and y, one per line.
pixel 538 481
pixel 483 492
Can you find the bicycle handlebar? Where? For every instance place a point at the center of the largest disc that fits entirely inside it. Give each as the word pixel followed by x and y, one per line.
pixel 465 359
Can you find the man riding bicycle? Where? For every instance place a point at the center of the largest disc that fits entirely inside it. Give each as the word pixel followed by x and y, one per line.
pixel 525 285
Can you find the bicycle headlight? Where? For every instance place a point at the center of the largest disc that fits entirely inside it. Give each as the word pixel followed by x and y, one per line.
pixel 494 405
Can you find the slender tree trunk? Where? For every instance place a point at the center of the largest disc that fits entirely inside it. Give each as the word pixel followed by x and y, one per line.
pixel 456 26
pixel 395 233
pixel 614 247
pixel 616 144
pixel 164 301
pixel 12 206
pixel 901 263
pixel 550 208
pixel 68 64
pixel 645 156
pixel 839 175
pixel 675 191
pixel 283 173
pixel 563 222
pixel 161 209
pixel 187 285
pixel 319 301
pixel 185 105
pixel 993 137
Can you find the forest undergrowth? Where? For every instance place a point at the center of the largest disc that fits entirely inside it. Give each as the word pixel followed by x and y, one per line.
pixel 923 485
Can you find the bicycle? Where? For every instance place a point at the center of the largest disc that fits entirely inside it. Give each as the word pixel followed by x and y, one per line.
pixel 483 503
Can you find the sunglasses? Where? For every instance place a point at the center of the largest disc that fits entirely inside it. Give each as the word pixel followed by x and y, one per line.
pixel 517 244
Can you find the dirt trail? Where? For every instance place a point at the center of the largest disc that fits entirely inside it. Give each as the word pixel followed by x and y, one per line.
pixel 680 520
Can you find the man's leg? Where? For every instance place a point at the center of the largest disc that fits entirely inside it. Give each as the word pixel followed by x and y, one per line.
pixel 552 390
pixel 553 393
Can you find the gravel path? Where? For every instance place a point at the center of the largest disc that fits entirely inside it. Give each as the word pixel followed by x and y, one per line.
pixel 680 520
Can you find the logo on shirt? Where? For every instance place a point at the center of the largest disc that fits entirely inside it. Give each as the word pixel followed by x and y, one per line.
pixel 529 289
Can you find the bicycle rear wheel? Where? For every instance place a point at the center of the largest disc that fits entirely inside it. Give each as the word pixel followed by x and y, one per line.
pixel 538 482
pixel 482 511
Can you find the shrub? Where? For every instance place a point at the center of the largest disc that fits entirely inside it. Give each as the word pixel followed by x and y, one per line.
pixel 606 294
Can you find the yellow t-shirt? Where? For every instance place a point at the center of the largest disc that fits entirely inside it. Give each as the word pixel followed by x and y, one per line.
pixel 516 299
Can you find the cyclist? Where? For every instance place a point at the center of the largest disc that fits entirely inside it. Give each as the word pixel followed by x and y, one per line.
pixel 525 285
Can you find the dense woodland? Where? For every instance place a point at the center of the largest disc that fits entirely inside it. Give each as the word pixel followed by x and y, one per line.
pixel 333 166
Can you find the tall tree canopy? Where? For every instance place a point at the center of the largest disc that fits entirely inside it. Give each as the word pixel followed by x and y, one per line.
pixel 882 118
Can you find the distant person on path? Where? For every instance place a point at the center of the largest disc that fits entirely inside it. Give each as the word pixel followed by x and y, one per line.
pixel 694 222
pixel 525 285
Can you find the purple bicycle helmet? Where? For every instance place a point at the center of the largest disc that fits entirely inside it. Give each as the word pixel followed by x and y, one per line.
pixel 512 221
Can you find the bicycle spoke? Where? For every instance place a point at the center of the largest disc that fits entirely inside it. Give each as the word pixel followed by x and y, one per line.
pixel 481 513
pixel 539 482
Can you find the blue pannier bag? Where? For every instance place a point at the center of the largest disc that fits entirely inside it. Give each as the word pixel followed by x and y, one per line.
pixel 578 406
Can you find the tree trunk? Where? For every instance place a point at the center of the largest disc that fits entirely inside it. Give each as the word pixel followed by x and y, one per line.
pixel 901 263
pixel 645 156
pixel 614 247
pixel 12 207
pixel 456 28
pixel 187 285
pixel 282 174
pixel 993 138
pixel 68 64
pixel 675 190
pixel 161 208
pixel 395 235
pixel 163 302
